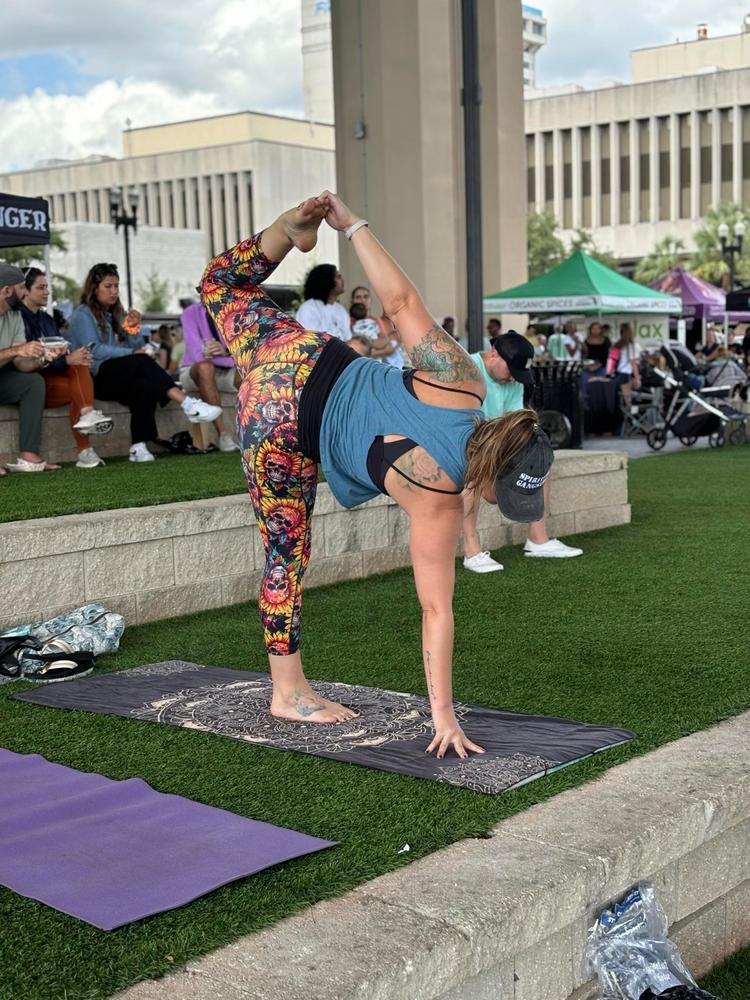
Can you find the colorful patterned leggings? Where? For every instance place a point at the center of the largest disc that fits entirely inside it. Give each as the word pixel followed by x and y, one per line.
pixel 274 356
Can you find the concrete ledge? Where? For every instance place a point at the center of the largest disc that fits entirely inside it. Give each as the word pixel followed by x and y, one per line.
pixel 57 438
pixel 135 560
pixel 506 918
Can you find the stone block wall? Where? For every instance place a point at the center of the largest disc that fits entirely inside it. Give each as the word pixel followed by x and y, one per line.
pixel 141 561
pixel 57 439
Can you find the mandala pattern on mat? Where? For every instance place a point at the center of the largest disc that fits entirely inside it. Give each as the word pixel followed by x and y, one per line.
pixel 495 775
pixel 240 711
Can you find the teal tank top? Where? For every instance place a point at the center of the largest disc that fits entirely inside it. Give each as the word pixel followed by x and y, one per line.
pixel 370 399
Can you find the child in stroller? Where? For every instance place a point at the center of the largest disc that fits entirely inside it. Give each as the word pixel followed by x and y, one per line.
pixel 692 410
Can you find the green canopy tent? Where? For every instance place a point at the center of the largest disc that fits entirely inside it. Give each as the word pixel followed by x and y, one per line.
pixel 582 286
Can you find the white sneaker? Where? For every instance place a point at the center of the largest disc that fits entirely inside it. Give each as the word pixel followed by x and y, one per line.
pixel 552 549
pixel 199 412
pixel 88 459
pixel 482 562
pixel 94 422
pixel 140 453
pixel 227 443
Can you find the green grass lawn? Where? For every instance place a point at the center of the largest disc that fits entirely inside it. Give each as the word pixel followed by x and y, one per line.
pixel 645 631
pixel 731 980
pixel 121 484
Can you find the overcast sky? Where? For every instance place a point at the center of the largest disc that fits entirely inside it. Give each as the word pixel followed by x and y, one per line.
pixel 72 72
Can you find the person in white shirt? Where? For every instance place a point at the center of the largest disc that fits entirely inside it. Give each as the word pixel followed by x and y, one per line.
pixel 321 311
pixel 573 341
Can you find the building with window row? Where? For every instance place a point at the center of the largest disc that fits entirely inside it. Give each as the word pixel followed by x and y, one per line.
pixel 637 162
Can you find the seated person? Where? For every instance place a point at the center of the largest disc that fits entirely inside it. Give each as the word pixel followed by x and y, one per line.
pixel 21 384
pixel 206 367
pixel 364 326
pixel 67 379
pixel 121 367
pixel 361 344
pixel 321 311
pixel 506 368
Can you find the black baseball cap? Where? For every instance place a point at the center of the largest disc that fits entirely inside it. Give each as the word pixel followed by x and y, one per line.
pixel 517 353
pixel 519 487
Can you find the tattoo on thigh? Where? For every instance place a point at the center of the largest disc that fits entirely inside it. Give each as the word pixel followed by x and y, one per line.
pixel 420 467
pixel 440 355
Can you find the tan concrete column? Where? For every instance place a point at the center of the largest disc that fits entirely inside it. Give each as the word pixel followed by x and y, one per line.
pixel 399 140
pixel 557 173
pixel 635 172
pixel 695 166
pixel 596 187
pixel 204 184
pixel 153 200
pixel 576 168
pixel 653 163
pixel 614 166
pixel 217 222
pixel 166 212
pixel 178 186
pixel 539 172
pixel 191 220
pixel 104 205
pixel 230 208
pixel 674 168
pixel 737 154
pixel 246 215
pixel 715 158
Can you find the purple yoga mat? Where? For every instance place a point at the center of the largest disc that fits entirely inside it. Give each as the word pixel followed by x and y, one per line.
pixel 110 852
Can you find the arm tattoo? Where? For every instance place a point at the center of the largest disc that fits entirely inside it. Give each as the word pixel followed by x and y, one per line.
pixel 429 674
pixel 446 360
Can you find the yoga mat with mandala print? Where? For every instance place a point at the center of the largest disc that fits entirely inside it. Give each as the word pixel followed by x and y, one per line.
pixel 391 734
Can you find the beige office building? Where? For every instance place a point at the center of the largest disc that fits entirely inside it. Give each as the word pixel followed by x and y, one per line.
pixel 224 177
pixel 637 162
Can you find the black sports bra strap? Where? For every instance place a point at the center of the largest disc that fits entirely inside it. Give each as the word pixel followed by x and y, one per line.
pixel 432 489
pixel 447 388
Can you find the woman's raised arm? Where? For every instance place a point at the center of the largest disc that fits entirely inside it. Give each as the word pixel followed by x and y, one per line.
pixel 428 346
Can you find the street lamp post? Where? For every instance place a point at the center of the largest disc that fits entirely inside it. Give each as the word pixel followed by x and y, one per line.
pixel 118 211
pixel 731 251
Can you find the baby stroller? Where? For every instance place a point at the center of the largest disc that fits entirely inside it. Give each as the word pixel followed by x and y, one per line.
pixel 643 411
pixel 690 412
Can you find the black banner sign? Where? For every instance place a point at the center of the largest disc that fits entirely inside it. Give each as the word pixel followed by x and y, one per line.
pixel 23 221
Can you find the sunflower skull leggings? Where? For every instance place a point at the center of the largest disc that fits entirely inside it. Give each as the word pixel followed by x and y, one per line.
pixel 274 356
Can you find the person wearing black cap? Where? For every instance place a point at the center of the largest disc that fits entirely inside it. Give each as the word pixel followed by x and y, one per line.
pixel 20 383
pixel 506 369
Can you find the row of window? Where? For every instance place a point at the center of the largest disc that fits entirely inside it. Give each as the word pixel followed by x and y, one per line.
pixel 635 205
pixel 184 203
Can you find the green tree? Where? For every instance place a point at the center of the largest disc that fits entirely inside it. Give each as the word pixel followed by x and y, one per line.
pixel 584 240
pixel 154 293
pixel 62 287
pixel 669 252
pixel 707 261
pixel 33 256
pixel 545 248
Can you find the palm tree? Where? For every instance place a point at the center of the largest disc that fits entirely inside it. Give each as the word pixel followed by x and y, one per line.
pixel 708 261
pixel 669 252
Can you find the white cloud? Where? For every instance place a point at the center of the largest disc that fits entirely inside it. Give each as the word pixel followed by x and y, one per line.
pixel 157 63
pixel 42 126
pixel 590 41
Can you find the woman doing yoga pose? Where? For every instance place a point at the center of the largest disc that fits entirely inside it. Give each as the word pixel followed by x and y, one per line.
pixel 416 435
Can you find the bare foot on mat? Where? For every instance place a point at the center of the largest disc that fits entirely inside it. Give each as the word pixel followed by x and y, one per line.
pixel 308 707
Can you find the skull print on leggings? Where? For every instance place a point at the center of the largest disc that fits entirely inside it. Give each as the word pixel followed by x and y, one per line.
pixel 274 356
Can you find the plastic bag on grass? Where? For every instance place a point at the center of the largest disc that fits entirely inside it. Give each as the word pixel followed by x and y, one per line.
pixel 631 955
